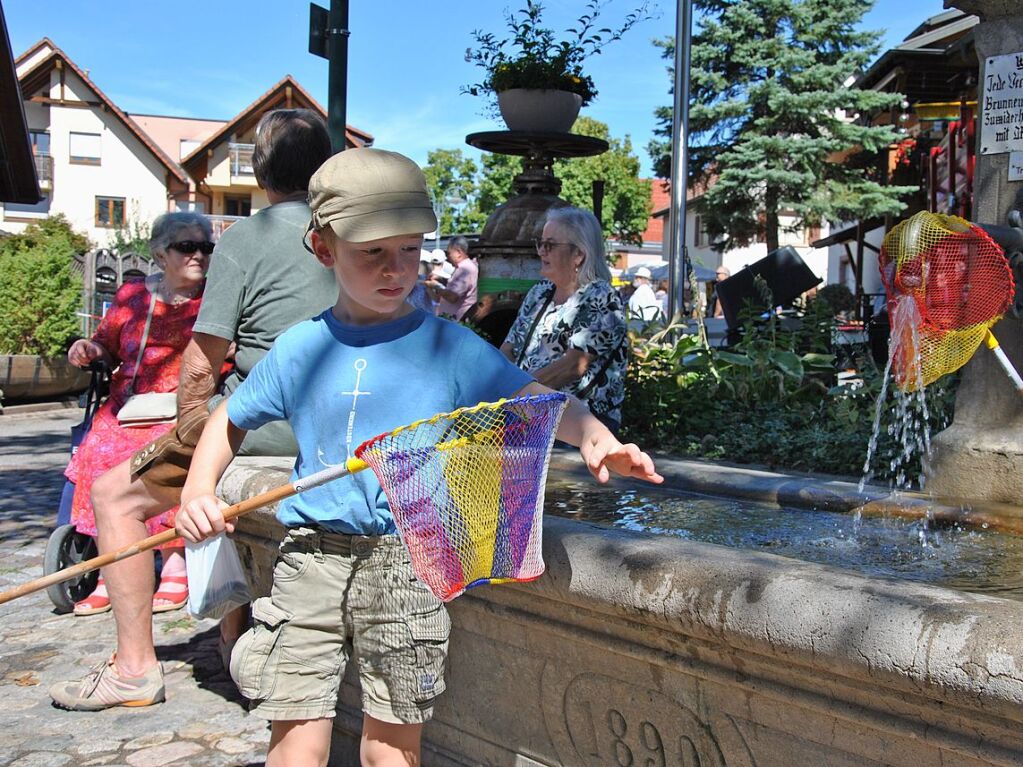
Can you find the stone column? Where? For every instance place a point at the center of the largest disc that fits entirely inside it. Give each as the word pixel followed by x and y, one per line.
pixel 980 456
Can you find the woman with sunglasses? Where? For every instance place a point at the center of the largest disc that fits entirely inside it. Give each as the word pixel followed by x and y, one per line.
pixel 570 331
pixel 155 314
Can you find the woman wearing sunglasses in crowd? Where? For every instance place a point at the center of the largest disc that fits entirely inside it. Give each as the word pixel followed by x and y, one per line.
pixel 155 315
pixel 570 331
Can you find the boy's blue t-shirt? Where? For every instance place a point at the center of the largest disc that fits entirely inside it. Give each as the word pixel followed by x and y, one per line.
pixel 339 385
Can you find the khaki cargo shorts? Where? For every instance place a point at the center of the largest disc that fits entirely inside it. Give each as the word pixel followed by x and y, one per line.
pixel 334 598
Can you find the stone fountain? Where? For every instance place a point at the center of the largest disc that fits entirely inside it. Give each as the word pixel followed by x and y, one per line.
pixel 980 455
pixel 647 650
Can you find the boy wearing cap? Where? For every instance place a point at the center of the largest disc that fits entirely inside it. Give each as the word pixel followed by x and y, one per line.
pixel 343 587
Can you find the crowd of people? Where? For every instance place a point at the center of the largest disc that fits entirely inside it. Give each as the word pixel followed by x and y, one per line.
pixel 323 293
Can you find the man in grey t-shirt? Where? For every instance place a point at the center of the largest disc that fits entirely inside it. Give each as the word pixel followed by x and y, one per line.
pixel 261 282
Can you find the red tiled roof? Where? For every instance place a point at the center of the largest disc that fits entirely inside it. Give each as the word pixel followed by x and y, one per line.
pixel 353 136
pixel 48 63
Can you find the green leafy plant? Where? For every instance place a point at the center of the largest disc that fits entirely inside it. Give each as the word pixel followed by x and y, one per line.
pixel 132 236
pixel 39 290
pixel 533 57
pixel 773 399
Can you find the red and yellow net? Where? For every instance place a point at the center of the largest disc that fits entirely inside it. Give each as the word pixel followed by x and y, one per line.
pixel 948 282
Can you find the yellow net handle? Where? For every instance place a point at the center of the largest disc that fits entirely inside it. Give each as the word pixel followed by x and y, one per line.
pixel 1003 360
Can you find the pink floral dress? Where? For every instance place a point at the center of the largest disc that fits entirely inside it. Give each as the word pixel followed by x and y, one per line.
pixel 108 443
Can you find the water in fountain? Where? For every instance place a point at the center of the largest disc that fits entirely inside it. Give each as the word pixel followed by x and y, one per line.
pixel 909 425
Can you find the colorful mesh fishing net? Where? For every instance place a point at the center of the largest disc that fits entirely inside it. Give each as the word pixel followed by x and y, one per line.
pixel 467 488
pixel 948 282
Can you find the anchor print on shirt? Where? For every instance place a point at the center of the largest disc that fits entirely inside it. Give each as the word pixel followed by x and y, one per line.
pixel 355 393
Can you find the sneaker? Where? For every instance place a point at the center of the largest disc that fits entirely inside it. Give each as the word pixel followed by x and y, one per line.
pixel 104 688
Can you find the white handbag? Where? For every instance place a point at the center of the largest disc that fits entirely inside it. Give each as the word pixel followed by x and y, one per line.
pixel 152 407
pixel 149 408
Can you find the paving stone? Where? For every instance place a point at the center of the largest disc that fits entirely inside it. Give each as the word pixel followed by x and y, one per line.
pixel 197 730
pixel 232 745
pixel 42 759
pixel 165 754
pixel 101 746
pixel 147 741
pixel 39 648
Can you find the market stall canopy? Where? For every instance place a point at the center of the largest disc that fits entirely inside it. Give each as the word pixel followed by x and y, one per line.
pixel 660 272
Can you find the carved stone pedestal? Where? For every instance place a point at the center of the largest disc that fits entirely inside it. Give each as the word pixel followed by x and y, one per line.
pixel 980 456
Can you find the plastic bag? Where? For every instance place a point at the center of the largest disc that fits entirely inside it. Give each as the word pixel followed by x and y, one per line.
pixel 216 581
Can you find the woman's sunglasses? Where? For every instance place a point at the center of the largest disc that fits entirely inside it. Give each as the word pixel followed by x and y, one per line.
pixel 188 247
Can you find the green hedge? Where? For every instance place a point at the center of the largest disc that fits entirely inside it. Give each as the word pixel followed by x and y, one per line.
pixel 39 291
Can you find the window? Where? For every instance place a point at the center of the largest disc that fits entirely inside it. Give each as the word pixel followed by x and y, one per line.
pixel 110 212
pixel 40 142
pixel 699 240
pixel 84 148
pixel 237 206
pixel 193 207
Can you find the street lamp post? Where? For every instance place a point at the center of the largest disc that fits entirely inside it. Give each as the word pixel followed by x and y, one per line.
pixel 678 262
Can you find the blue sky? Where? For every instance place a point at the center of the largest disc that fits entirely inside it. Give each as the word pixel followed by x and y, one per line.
pixel 211 59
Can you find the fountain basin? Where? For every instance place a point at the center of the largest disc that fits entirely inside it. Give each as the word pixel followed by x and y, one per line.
pixel 641 649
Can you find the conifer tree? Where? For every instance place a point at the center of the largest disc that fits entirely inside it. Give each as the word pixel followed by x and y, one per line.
pixel 774 123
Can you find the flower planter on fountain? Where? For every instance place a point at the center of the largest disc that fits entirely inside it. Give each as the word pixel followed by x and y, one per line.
pixel 532 109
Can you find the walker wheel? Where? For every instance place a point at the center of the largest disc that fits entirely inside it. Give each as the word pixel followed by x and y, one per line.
pixel 67 547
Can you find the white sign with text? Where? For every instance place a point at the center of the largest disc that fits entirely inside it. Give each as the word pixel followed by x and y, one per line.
pixel 1015 166
pixel 1001 127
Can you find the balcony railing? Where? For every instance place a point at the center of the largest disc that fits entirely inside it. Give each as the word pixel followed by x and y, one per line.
pixel 44 168
pixel 221 224
pixel 241 159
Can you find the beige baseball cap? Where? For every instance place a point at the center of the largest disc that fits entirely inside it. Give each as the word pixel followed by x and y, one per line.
pixel 368 194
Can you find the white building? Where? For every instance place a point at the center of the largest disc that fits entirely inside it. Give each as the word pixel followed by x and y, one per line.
pixel 108 172
pixel 95 165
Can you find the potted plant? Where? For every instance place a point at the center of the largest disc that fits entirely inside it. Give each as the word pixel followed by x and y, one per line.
pixel 538 79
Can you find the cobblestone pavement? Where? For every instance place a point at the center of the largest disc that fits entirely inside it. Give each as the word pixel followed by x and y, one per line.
pixel 204 721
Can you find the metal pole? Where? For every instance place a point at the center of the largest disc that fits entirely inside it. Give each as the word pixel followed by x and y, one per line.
pixel 678 276
pixel 337 70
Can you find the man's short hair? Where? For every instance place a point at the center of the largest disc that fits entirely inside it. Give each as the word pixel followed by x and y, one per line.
pixel 459 243
pixel 290 145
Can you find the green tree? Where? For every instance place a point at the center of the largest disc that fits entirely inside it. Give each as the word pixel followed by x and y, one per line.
pixel 767 117
pixel 626 205
pixel 450 174
pixel 132 236
pixel 39 290
pixel 495 181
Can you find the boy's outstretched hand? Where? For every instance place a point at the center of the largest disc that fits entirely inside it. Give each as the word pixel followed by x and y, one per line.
pixel 604 454
pixel 202 518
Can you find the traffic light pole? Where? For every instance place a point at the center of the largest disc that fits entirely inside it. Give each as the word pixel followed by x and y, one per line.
pixel 337 82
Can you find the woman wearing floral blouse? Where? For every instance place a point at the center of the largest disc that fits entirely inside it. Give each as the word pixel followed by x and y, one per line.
pixel 570 332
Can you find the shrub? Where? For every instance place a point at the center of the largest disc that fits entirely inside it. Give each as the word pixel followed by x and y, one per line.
pixel 39 290
pixel 771 399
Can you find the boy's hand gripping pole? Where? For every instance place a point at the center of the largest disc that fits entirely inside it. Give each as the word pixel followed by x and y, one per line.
pixel 351 466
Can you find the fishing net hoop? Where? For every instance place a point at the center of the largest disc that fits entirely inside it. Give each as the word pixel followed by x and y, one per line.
pixel 466 490
pixel 959 283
